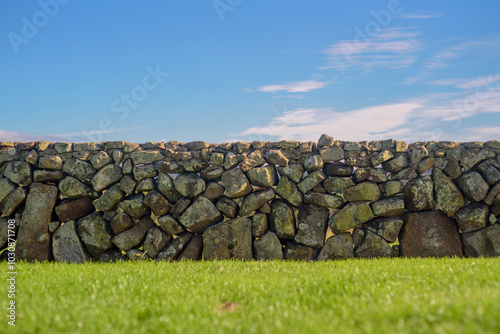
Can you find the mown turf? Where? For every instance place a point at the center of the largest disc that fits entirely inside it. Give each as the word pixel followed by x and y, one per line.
pixel 358 296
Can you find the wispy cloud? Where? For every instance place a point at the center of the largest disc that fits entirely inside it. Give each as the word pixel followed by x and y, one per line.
pixel 467 83
pixel 294 87
pixel 27 137
pixel 84 135
pixel 419 16
pixel 392 48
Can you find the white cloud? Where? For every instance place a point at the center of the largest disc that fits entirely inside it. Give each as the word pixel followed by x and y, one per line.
pixel 419 16
pixel 391 48
pixel 294 87
pixel 468 83
pixel 27 137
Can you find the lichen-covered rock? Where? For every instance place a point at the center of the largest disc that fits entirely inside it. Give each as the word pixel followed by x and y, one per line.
pixel 67 246
pixel 236 183
pixel 298 252
pixel 337 247
pixel 288 190
pixel 448 197
pixel 175 247
pixel 268 247
pixel 231 239
pixel 213 191
pixel 127 184
pixel 193 250
pixel 54 176
pixel 391 188
pixel 179 207
pixel 189 185
pixel 252 160
pixel 324 200
pixel 333 153
pixel 6 187
pixel 293 171
pixel 100 160
pixel 472 217
pixel 395 165
pixel 255 200
pixel 142 172
pixel 429 234
pixel 377 175
pixel 489 173
pixel 73 188
pixel 452 168
pixel 74 209
pixel 200 215
pixel 419 194
pixel 95 233
pixel 33 240
pixel 121 222
pixel 381 157
pixel 142 157
pixel 325 140
pixel 373 246
pixel 106 176
pixel 19 172
pixel 483 242
pixel 472 157
pixel 228 207
pixel 311 225
pixel 109 200
pixel 79 169
pixel 276 157
pixel 336 185
pixel 282 219
pixel 12 201
pixel 425 165
pixel 137 255
pixel 389 207
pixel 364 191
pixel 132 237
pixel 387 228
pixel 337 169
pixel 263 176
pixel 417 153
pixel 155 241
pixel 352 215
pixel 165 185
pixel 311 181
pixel 217 159
pixel 404 174
pixel 50 162
pixel 259 224
pixel 473 186
pixel 157 203
pixel 134 206
pixel 312 163
pixel 211 173
pixel 170 225
pixel 492 194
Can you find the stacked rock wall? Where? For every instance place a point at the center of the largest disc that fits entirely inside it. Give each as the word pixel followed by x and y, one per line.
pixel 261 200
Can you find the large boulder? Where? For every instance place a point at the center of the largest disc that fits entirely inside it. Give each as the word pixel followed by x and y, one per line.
pixel 200 215
pixel 268 247
pixel 33 242
pixel 429 234
pixel 448 197
pixel 67 246
pixel 231 239
pixel 282 219
pixel 418 194
pixel 352 215
pixel 311 225
pixel 95 233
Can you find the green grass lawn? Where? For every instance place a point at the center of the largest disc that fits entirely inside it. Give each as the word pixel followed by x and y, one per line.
pixel 357 296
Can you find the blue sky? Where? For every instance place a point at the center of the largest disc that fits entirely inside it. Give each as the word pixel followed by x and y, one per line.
pixel 245 70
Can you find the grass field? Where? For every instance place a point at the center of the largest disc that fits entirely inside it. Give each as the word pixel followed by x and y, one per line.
pixel 357 296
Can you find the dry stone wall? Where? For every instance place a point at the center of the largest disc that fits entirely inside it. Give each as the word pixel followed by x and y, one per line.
pixel 332 199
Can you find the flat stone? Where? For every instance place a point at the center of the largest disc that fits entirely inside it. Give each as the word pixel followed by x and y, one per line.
pixel 289 191
pixel 381 157
pixel 142 157
pixel 74 209
pixel 311 181
pixel 200 215
pixel 155 241
pixel 197 145
pixel 50 162
pixel 231 239
pixel 54 176
pixel 172 167
pixel 67 246
pixel 483 242
pixel 157 203
pixel 33 241
pixel 352 215
pixel 298 252
pixel 373 246
pixel 134 206
pixel 263 176
pixel 429 234
pixel 473 186
pixel 387 228
pixel 95 233
pixel 79 169
pixel 395 165
pixel 12 201
pixel 142 172
pixel 337 169
pixel 175 247
pixel 389 207
pixel 419 194
pixel 329 154
pixel 259 224
pixel 293 171
pixel 377 175
pixel 472 217
pixel 236 183
pixel 121 222
pixel 106 177
pixel 448 197
pixel 228 207
pixel 132 237
pixel 268 247
pixel 110 199
pixel 282 219
pixel 337 184
pixel 391 188
pixel 337 247
pixel 324 200
pixel 311 225
pixel 364 191
pixel 19 172
pixel 165 185
pixel 404 174
pixel 211 173
pixel 254 201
